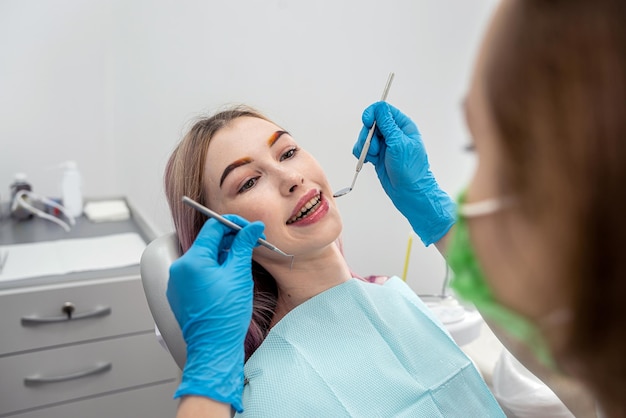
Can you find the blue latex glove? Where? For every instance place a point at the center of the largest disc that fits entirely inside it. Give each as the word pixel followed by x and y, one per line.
pixel 210 293
pixel 398 153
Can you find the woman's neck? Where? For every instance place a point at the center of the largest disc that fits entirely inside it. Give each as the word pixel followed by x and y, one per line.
pixel 309 276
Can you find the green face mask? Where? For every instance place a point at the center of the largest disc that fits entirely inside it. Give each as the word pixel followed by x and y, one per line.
pixel 469 282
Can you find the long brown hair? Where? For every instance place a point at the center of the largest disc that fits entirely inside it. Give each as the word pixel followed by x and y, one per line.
pixel 183 177
pixel 556 87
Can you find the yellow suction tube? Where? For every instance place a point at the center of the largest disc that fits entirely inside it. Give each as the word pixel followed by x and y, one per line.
pixel 407 257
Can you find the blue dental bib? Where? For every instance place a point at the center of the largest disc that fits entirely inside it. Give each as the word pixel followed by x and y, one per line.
pixel 363 350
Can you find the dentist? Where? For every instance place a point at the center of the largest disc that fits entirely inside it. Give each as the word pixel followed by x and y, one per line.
pixel 536 240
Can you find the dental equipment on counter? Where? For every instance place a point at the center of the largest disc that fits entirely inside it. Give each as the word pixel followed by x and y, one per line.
pixel 25 203
pixel 25 199
pixel 208 212
pixel 366 147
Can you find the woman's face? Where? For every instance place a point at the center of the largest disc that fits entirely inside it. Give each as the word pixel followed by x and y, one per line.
pixel 511 254
pixel 256 170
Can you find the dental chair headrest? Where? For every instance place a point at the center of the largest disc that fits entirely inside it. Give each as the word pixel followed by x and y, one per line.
pixel 155 272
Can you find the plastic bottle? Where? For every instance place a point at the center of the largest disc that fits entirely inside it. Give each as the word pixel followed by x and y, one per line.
pixel 20 182
pixel 71 189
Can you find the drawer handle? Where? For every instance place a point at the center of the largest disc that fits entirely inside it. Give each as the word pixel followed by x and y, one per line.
pixel 40 380
pixel 36 320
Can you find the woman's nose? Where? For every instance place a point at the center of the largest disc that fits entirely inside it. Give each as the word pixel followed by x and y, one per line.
pixel 295 185
pixel 291 182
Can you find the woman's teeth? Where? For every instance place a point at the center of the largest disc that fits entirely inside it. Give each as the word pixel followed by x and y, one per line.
pixel 306 210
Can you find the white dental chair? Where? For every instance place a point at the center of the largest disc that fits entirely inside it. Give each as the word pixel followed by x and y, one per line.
pixel 155 269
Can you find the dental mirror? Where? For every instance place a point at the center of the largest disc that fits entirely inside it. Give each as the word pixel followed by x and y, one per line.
pixel 366 146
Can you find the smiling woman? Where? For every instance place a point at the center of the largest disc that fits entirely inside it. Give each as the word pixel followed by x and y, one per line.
pixel 317 323
pixel 256 170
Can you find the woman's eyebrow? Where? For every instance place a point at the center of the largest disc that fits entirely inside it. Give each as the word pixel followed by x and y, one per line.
pixel 272 139
pixel 231 167
pixel 247 160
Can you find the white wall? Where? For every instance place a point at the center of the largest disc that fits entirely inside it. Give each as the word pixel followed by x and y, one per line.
pixel 113 84
pixel 56 93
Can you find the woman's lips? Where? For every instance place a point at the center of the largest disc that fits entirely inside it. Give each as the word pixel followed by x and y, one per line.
pixel 310 211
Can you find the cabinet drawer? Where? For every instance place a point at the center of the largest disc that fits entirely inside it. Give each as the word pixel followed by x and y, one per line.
pixel 34 318
pixel 132 362
pixel 153 401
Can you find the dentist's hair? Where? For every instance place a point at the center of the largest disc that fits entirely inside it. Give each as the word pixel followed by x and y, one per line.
pixel 556 88
pixel 184 175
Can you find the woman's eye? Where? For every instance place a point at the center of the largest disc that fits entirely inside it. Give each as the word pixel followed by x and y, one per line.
pixel 247 185
pixel 289 154
pixel 469 147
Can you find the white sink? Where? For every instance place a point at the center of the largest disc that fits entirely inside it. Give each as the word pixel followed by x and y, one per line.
pixel 463 324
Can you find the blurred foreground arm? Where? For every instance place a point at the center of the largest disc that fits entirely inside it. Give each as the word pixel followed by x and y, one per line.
pixel 210 293
pixel 571 392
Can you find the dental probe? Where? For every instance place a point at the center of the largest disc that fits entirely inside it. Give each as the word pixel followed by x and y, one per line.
pixel 366 146
pixel 208 212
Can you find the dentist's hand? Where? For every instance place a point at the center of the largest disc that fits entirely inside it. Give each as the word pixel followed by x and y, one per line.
pixel 210 293
pixel 401 162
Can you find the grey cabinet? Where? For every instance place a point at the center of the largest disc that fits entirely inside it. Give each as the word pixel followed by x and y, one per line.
pixel 103 360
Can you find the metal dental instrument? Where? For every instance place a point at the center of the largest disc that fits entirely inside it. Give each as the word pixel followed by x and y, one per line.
pixel 366 146
pixel 208 212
